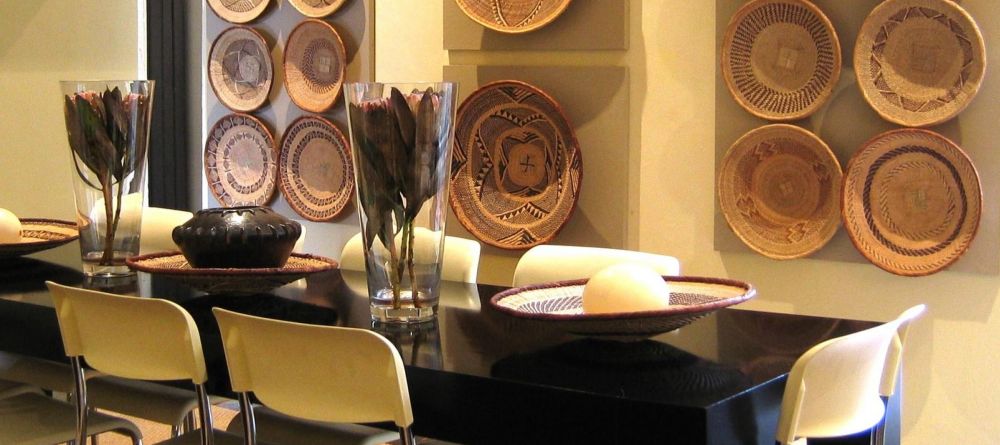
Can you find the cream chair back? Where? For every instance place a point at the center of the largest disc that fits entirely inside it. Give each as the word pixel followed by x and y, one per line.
pixel 322 373
pixel 833 389
pixel 547 263
pixel 156 232
pixel 460 261
pixel 130 337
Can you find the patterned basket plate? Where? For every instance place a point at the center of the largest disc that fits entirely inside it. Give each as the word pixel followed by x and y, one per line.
pixel 240 69
pixel 315 170
pixel 919 62
pixel 912 201
pixel 317 8
pixel 238 11
pixel 241 163
pixel 780 58
pixel 513 16
pixel 778 189
pixel 516 167
pixel 39 234
pixel 219 280
pixel 560 306
pixel 315 65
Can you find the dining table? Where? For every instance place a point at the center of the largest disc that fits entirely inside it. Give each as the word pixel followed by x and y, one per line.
pixel 479 376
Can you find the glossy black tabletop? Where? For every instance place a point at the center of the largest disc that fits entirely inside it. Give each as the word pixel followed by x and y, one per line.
pixel 478 376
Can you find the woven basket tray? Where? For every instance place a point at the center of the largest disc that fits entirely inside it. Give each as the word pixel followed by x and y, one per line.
pixel 513 16
pixel 779 189
pixel 919 62
pixel 912 201
pixel 780 58
pixel 38 234
pixel 230 280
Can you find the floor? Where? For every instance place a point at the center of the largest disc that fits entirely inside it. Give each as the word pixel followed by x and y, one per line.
pixel 156 432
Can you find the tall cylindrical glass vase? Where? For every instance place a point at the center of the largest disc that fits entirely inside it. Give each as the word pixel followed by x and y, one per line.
pixel 107 124
pixel 401 137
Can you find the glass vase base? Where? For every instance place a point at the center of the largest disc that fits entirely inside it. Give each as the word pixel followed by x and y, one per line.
pixel 384 311
pixel 92 266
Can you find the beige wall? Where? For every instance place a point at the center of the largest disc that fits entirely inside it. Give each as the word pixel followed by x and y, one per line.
pixel 951 365
pixel 41 43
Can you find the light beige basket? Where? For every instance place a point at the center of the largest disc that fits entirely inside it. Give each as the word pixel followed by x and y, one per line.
pixel 241 161
pixel 317 8
pixel 238 11
pixel 779 189
pixel 911 201
pixel 919 62
pixel 315 65
pixel 240 70
pixel 513 16
pixel 315 170
pixel 780 58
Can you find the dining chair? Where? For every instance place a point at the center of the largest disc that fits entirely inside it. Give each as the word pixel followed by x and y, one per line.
pixel 155 233
pixel 833 388
pixel 460 258
pixel 892 372
pixel 312 373
pixel 133 338
pixel 29 417
pixel 546 263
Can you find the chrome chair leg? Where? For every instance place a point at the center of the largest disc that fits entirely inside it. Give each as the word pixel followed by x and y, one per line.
pixel 406 436
pixel 207 435
pixel 80 396
pixel 249 424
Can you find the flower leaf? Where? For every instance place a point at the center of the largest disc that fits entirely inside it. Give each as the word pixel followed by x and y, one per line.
pixel 404 117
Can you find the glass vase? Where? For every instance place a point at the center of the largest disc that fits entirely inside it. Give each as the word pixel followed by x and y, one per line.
pixel 107 124
pixel 401 137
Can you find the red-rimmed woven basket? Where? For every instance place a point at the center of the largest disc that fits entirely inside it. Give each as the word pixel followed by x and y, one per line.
pixel 230 280
pixel 38 234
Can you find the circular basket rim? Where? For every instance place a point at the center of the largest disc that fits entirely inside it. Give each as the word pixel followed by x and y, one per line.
pixel 854 237
pixel 452 199
pixel 308 11
pixel 270 194
pixel 270 81
pixel 824 96
pixel 493 26
pixel 137 263
pixel 250 16
pixel 673 310
pixel 835 191
pixel 283 177
pixel 21 248
pixel 341 51
pixel 979 49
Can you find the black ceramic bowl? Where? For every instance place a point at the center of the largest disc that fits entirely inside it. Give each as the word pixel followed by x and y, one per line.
pixel 238 237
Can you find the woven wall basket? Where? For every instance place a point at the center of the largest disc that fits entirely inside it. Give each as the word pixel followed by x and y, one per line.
pixel 315 65
pixel 240 69
pixel 314 169
pixel 516 166
pixel 241 161
pixel 778 189
pixel 780 58
pixel 513 16
pixel 919 62
pixel 911 201
pixel 317 8
pixel 238 11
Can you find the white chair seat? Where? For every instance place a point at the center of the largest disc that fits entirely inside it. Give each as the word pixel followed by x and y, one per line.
pixel 35 419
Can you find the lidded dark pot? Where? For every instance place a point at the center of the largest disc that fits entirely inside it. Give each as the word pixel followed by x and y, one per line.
pixel 237 237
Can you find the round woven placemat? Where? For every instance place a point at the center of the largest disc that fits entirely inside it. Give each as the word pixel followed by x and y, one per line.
pixel 516 166
pixel 778 189
pixel 513 16
pixel 241 161
pixel 240 69
pixel 315 169
pixel 919 62
pixel 238 11
pixel 780 58
pixel 230 280
pixel 315 65
pixel 38 234
pixel 911 201
pixel 317 8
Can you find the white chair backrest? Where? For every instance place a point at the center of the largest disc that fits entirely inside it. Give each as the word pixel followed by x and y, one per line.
pixel 833 389
pixel 157 229
pixel 547 263
pixel 460 262
pixel 323 373
pixel 894 358
pixel 131 337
